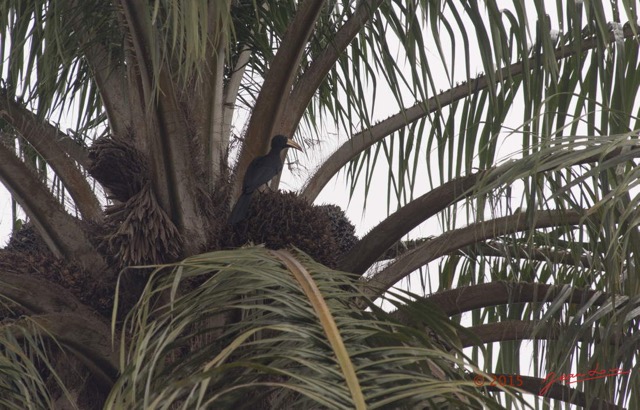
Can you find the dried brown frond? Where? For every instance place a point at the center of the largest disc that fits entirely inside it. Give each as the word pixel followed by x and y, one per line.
pixel 141 232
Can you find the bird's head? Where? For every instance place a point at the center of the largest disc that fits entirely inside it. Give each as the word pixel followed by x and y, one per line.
pixel 280 142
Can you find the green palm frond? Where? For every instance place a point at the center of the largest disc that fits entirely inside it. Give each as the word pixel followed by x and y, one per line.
pixel 28 369
pixel 282 349
pixel 466 134
pixel 45 46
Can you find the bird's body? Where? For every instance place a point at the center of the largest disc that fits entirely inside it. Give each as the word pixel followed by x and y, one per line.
pixel 260 171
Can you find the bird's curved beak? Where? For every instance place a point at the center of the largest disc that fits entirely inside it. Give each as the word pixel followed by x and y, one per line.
pixel 291 143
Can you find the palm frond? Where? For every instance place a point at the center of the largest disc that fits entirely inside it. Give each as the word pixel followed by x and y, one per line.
pixel 28 370
pixel 281 348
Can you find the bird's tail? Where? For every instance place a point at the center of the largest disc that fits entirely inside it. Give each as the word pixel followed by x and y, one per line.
pixel 240 209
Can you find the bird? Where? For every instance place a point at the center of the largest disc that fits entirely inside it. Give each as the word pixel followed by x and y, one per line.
pixel 260 171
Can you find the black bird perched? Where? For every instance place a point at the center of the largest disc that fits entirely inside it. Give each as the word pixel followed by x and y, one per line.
pixel 259 172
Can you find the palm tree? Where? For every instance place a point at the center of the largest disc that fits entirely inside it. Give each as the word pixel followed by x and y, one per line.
pixel 128 289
